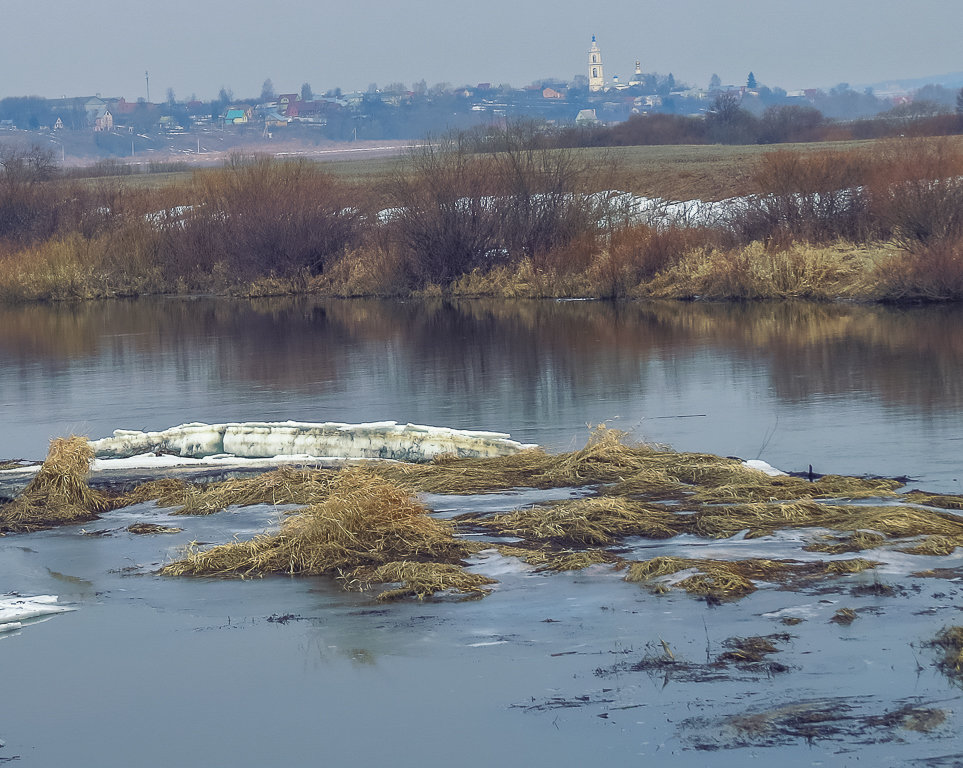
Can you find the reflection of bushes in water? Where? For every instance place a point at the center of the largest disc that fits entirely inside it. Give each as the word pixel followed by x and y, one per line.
pixel 268 339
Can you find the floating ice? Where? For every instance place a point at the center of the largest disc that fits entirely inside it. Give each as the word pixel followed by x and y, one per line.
pixel 376 440
pixel 763 466
pixel 14 610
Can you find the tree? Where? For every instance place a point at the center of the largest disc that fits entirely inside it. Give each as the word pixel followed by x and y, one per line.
pixel 715 81
pixel 751 82
pixel 959 102
pixel 306 93
pixel 267 91
pixel 728 123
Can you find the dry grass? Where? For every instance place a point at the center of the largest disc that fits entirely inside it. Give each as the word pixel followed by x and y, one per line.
pixel 731 580
pixel 150 528
pixel 287 485
pixel 363 522
pixel 936 546
pixel 950 640
pixel 58 494
pixel 844 617
pixel 838 545
pixel 418 579
pixel 585 522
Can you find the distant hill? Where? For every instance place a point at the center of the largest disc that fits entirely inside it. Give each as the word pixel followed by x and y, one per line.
pixel 953 80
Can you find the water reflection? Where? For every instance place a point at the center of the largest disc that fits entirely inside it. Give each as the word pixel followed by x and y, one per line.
pixel 761 373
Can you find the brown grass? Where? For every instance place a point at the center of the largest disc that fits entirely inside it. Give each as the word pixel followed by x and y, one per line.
pixel 58 494
pixel 287 485
pixel 364 522
pixel 950 641
pixel 418 579
pixel 731 580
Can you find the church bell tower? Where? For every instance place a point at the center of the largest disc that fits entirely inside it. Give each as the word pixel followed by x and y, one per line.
pixel 596 78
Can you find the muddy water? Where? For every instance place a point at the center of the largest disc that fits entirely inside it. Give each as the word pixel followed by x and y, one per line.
pixel 550 669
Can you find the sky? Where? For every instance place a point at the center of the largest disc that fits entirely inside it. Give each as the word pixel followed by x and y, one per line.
pixel 53 48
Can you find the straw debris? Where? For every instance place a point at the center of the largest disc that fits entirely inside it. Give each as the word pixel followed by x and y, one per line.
pixel 731 580
pixel 839 545
pixel 844 617
pixel 584 522
pixel 58 494
pixel 149 528
pixel 287 485
pixel 937 546
pixel 418 579
pixel 365 521
pixel 950 641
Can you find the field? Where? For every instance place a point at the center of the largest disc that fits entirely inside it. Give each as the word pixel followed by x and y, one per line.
pixel 866 220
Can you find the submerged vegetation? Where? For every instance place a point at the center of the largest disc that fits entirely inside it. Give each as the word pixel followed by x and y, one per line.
pixel 364 525
pixel 507 216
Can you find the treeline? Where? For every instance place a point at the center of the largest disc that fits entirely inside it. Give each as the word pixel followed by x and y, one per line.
pixel 728 123
pixel 517 219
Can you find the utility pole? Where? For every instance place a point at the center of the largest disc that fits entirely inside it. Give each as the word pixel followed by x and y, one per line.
pixel 147 78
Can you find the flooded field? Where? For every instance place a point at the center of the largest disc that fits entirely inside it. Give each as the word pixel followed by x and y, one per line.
pixel 551 668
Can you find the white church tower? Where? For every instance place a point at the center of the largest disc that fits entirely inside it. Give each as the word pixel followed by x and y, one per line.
pixel 596 78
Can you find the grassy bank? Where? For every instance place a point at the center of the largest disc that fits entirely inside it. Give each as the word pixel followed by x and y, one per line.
pixel 870 221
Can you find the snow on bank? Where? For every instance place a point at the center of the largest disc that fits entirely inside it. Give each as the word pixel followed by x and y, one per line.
pixel 765 467
pixel 376 440
pixel 14 610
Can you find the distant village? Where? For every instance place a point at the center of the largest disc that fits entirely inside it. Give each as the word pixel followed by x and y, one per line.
pixel 397 111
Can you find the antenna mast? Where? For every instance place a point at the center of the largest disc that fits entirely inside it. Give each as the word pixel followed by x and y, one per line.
pixel 147 78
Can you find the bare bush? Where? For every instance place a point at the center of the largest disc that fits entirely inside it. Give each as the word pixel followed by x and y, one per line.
pixel 815 197
pixel 258 217
pixel 916 191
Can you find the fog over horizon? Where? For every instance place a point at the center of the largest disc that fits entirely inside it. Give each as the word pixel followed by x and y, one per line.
pixel 195 48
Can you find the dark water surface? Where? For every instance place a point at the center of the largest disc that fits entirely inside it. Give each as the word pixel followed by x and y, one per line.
pixel 848 389
pixel 153 671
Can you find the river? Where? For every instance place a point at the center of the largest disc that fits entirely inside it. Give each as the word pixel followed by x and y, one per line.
pixel 158 671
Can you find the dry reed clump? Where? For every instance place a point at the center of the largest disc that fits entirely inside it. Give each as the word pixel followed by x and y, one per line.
pixel 364 522
pixel 418 579
pixel 838 545
pixel 757 271
pixel 731 580
pixel 751 650
pixel 606 458
pixel 58 494
pixel 760 487
pixel 764 519
pixel 583 522
pixel 937 546
pixel 950 640
pixel 844 617
pixel 287 485
pixel 935 500
pixel 150 528
pixel 566 560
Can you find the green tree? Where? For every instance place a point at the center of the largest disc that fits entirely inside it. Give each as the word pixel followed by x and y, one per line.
pixel 751 82
pixel 267 91
pixel 306 93
pixel 715 81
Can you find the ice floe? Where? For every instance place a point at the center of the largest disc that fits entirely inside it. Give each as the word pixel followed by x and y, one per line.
pixel 293 439
pixel 16 609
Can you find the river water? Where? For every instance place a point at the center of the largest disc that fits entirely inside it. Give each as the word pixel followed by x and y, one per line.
pixel 158 671
pixel 848 389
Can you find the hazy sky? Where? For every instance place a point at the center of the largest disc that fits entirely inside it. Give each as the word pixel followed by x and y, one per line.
pixel 55 47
